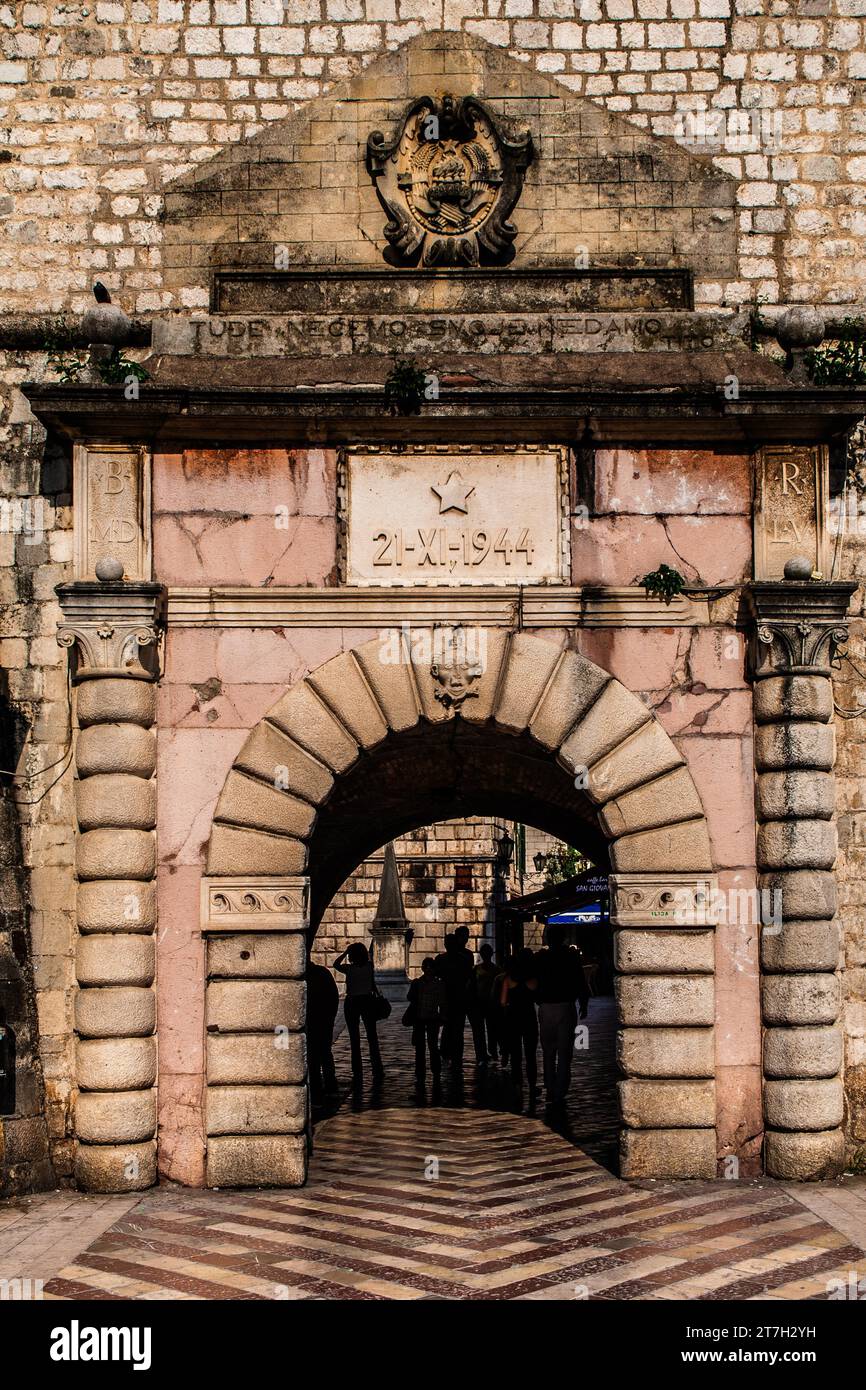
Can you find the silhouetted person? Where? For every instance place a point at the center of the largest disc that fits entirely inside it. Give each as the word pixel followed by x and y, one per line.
pixel 427 999
pixel 359 1005
pixel 521 1024
pixel 323 1001
pixel 480 1005
pixel 454 967
pixel 497 1013
pixel 561 986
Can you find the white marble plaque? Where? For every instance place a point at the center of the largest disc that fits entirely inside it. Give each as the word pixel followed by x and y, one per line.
pixel 455 518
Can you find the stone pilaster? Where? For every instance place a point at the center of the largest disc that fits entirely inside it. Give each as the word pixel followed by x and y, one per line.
pixel 112 631
pixel 664 956
pixel 797 626
pixel 257 1112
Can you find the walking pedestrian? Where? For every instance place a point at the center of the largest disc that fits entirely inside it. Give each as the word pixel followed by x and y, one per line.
pixel 426 1012
pixel 520 1022
pixel 561 987
pixel 479 1005
pixel 323 1001
pixel 359 1006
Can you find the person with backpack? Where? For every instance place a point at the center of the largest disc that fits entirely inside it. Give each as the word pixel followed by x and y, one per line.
pixel 360 1006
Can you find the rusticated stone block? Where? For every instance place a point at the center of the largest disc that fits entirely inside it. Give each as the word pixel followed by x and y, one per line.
pixel 232 851
pixel 667 1153
pixel 796 1000
pixel 802 1052
pixel 804 1104
pixel 115 1117
pixel 801 946
pixel 343 686
pixel 238 1006
pixel 797 844
pixel 268 749
pixel 802 893
pixel 256 1109
pixel 116 905
pixel 115 1013
pixel 668 1104
pixel 614 715
pixel 663 952
pixel 116 1064
pixel 116 1167
pixel 119 701
pixel 115 959
pixel 256 1058
pixel 257 1161
pixel 666 1052
pixel 664 1000
pixel 575 685
pixel 530 665
pixel 782 746
pixel 244 801
pixel 256 954
pixel 116 854
pixel 805 1157
pixel 671 798
pixel 307 720
pixel 115 748
pixel 683 848
pixel 789 795
pixel 645 755
pixel 117 800
pixel 780 698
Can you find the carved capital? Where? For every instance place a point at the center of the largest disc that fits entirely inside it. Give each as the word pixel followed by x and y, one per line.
pixel 112 629
pixel 797 626
pixel 255 904
pixel 664 900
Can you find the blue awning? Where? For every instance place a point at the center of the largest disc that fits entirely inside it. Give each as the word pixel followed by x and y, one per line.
pixel 588 916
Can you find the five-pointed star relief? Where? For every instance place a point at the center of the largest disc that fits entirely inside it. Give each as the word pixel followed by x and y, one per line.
pixel 453 495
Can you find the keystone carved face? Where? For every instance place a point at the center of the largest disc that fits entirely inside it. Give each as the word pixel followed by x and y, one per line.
pixel 448 182
pixel 456 679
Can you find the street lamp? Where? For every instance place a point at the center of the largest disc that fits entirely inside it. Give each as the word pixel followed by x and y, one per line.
pixel 505 846
pixel 540 861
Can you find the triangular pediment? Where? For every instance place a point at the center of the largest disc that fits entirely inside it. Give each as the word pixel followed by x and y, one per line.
pixel 599 190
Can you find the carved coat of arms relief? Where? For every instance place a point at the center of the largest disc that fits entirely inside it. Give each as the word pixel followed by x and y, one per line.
pixel 448 182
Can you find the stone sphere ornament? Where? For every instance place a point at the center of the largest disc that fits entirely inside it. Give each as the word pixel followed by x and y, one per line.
pixel 798 567
pixel 106 324
pixel 800 327
pixel 108 569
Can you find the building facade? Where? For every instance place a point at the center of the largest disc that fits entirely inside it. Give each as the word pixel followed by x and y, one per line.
pixel 437 343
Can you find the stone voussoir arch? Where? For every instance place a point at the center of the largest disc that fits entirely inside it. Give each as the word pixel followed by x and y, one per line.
pixel 258 866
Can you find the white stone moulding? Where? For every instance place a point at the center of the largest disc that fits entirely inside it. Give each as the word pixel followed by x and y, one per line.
pixel 664 900
pixel 493 606
pixel 254 904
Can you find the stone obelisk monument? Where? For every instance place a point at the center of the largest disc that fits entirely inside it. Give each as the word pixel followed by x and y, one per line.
pixel 390 928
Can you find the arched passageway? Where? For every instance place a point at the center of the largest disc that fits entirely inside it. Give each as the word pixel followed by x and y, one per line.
pixel 387 737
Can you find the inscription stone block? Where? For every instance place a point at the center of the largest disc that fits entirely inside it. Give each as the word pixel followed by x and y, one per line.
pixel 790 509
pixel 112 512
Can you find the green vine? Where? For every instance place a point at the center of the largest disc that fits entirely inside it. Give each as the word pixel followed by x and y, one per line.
pixel 665 583
pixel 117 368
pixel 405 387
pixel 63 358
pixel 843 363
pixel 563 863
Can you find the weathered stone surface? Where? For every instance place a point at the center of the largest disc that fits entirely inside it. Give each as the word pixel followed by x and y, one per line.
pixel 801 946
pixel 256 1058
pixel 256 955
pixel 668 1104
pixel 531 662
pixel 121 905
pixel 799 844
pixel 681 848
pixel 664 1000
pixel 342 684
pixel 115 748
pixel 804 1104
pixel 115 1013
pixel 780 698
pixel 268 753
pixel 115 1117
pixel 665 951
pixel 115 959
pixel 116 854
pixel 239 1006
pixel 256 1109
pixel 800 999
pixel 657 803
pixel 306 719
pixel 116 1064
pixel 805 1157
pixel 666 1052
pixel 392 686
pixel 667 1153
pixel 233 851
pixel 793 1052
pixel 576 684
pixel 119 701
pixel 614 715
pixel 785 795
pixel 646 755
pixel 782 746
pixel 116 800
pixel 256 1161
pixel 244 801
pixel 116 1168
pixel 802 893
